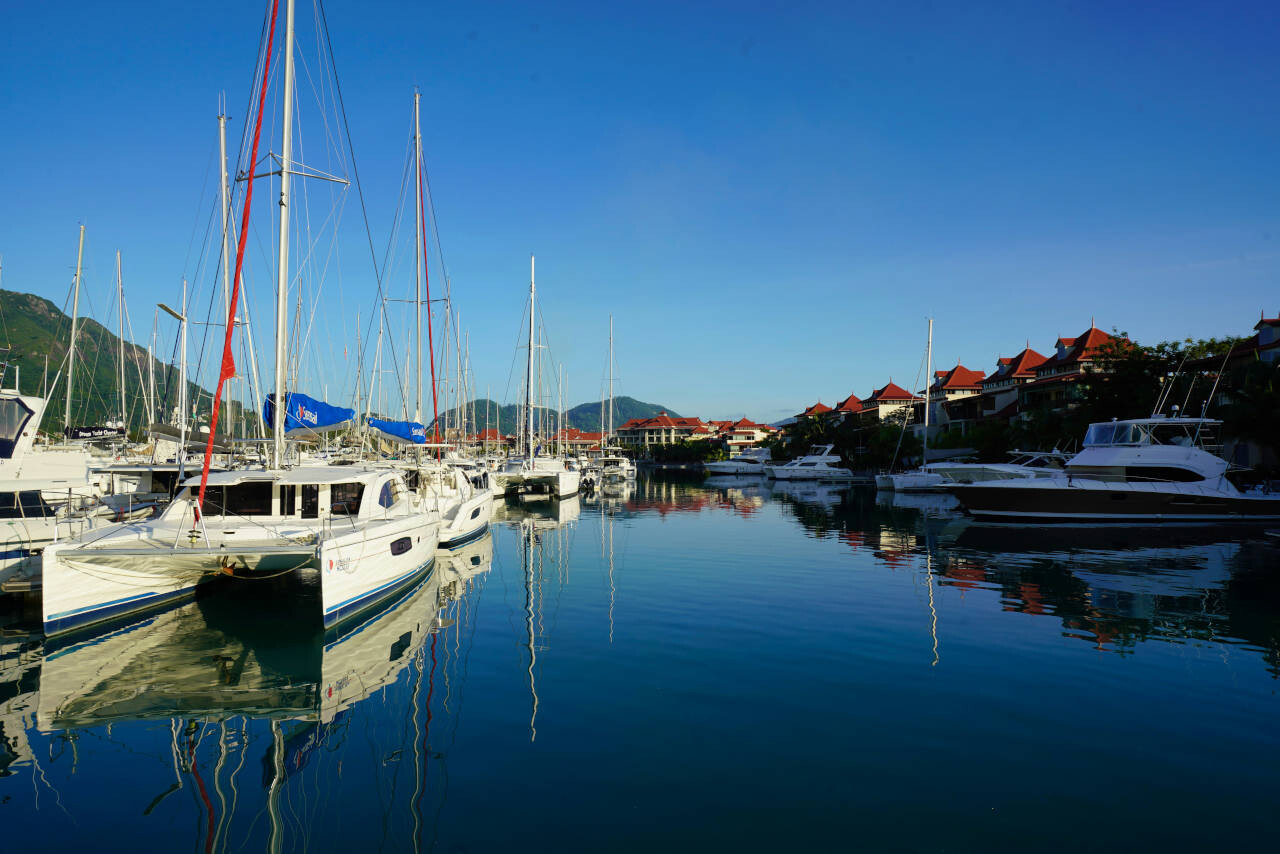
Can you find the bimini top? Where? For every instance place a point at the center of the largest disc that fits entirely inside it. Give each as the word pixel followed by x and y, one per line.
pixel 1186 432
pixel 306 416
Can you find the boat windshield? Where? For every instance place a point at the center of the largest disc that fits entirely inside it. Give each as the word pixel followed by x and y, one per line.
pixel 1113 433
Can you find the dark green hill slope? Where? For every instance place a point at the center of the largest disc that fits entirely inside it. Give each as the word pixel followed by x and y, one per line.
pixel 38 333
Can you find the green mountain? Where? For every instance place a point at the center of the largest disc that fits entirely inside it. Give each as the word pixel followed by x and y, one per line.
pixel 585 416
pixel 34 338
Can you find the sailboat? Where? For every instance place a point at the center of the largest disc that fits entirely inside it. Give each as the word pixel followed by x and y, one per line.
pixel 360 527
pixel 536 473
pixel 924 478
pixel 453 488
pixel 612 466
pixel 48 492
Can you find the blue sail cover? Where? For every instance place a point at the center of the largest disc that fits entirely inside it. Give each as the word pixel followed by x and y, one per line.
pixel 404 431
pixel 306 416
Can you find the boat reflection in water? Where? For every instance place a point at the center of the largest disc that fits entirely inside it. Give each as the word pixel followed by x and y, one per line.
pixel 214 667
pixel 205 659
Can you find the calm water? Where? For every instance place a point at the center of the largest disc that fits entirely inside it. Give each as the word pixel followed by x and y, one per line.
pixel 689 666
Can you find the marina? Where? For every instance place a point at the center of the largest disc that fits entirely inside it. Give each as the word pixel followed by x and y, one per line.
pixel 659 647
pixel 292 558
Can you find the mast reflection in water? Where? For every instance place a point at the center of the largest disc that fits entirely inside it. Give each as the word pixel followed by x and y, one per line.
pixel 685 665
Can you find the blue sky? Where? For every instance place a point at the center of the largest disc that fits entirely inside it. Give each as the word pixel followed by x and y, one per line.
pixel 770 198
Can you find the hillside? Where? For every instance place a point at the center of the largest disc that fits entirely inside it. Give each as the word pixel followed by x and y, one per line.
pixel 585 416
pixel 34 328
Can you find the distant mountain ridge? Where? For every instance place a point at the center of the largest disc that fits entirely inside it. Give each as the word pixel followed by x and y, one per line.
pixel 584 416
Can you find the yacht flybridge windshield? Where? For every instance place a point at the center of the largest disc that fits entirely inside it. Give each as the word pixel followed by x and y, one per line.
pixel 1184 432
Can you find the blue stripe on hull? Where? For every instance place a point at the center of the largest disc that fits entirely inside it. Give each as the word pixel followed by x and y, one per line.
pixel 85 617
pixel 354 606
pixel 465 538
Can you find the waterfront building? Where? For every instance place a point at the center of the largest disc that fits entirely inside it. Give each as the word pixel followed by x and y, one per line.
pixel 998 398
pixel 1057 378
pixel 889 399
pixel 661 429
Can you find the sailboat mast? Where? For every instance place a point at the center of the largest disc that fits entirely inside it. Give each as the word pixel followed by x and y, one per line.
pixel 528 380
pixel 120 332
pixel 182 384
pixel 609 435
pixel 71 352
pixel 282 262
pixel 151 373
pixel 928 358
pixel 418 252
pixel 224 196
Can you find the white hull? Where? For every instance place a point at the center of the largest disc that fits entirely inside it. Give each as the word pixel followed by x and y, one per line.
pixel 83 585
pixel 362 567
pixel 466 520
pixel 817 473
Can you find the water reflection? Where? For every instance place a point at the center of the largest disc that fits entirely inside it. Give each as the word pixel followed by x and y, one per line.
pixel 1113 587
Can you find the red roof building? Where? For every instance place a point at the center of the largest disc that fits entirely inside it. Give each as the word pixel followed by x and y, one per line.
pixel 885 401
pixel 661 429
pixel 817 409
pixel 1056 377
pixel 999 395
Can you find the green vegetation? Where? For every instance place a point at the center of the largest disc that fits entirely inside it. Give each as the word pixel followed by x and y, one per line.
pixel 38 334
pixel 1127 382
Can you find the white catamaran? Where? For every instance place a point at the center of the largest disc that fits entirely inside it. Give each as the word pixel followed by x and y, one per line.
pixel 361 527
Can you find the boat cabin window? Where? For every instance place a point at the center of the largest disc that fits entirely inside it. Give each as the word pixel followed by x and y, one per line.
pixel 310 501
pixel 14 416
pixel 344 498
pixel 288 499
pixel 28 504
pixel 241 499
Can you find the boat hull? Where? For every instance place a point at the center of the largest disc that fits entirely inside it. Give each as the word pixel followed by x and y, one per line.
pixel 83 587
pixel 1095 501
pixel 364 567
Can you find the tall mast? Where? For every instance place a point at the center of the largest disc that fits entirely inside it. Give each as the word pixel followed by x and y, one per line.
pixel 282 263
pixel 182 371
pixel 120 334
pixel 224 194
pixel 418 253
pixel 151 372
pixel 609 435
pixel 528 381
pixel 928 358
pixel 71 352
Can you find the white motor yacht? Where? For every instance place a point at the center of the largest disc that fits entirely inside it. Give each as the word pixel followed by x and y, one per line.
pixel 750 461
pixel 821 463
pixel 362 528
pixel 1023 464
pixel 1142 470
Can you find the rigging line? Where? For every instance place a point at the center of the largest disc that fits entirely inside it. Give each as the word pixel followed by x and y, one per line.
pixel 355 170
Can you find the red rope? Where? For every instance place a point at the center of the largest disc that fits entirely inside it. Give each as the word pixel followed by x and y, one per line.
pixel 228 360
pixel 435 410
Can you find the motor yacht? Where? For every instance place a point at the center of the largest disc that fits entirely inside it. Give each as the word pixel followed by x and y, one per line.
pixel 750 461
pixel 1161 469
pixel 822 463
pixel 1023 464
